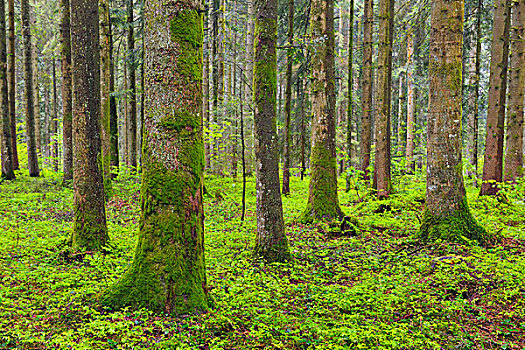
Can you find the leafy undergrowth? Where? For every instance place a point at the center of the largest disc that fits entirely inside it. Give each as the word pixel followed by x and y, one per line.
pixel 380 289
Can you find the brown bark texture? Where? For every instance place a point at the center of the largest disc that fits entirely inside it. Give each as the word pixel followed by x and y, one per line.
pixel 447 215
pixel 514 152
pixel 5 138
pixel 493 161
pixel 11 80
pixel 105 90
pixel 366 97
pixel 67 85
pixel 168 271
pixel 288 105
pixel 271 242
pixel 411 106
pixel 89 225
pixel 132 115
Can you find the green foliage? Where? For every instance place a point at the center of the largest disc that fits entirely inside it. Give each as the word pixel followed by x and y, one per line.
pixel 380 289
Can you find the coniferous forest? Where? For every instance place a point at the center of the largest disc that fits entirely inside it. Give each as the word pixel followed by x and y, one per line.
pixel 262 174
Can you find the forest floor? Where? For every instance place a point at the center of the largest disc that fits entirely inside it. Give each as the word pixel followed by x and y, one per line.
pixel 380 289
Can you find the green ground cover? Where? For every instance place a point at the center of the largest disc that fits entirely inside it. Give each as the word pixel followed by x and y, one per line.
pixel 378 289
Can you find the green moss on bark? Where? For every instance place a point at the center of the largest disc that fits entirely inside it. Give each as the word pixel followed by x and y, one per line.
pixel 186 30
pixel 458 226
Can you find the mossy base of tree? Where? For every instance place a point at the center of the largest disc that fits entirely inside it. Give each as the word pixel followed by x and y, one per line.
pixel 321 211
pixel 278 252
pixel 458 227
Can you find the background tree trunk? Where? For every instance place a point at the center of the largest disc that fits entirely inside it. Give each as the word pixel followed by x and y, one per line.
pixel 132 115
pixel 6 145
pixel 350 106
pixel 411 104
pixel 447 215
pixel 493 163
pixel 32 159
pixel 67 102
pixel 105 90
pixel 12 80
pixel 89 225
pixel 288 106
pixel 168 272
pixel 366 97
pixel 271 243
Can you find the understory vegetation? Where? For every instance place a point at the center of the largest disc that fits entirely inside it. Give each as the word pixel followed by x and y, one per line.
pixel 377 288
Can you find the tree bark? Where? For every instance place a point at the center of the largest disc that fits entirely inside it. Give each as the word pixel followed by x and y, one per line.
pixel 447 215
pixel 411 107
pixel 113 115
pixel 32 159
pixel 382 172
pixel 132 116
pixel 89 225
pixel 54 121
pixel 271 243
pixel 105 90
pixel 11 80
pixel 514 153
pixel 493 162
pixel 67 102
pixel 7 144
pixel 323 203
pixel 206 86
pixel 288 106
pixel 350 105
pixel 366 97
pixel 168 272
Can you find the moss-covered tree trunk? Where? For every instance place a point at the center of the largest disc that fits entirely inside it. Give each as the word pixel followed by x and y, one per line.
pixel 411 104
pixel 206 85
pixel 366 96
pixel 382 172
pixel 168 272
pixel 323 203
pixel 288 104
pixel 32 158
pixel 105 85
pixel 447 215
pixel 6 145
pixel 493 161
pixel 271 243
pixel 12 79
pixel 514 153
pixel 67 102
pixel 132 115
pixel 89 225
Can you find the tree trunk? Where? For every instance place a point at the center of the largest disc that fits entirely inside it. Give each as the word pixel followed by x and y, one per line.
pixel 366 97
pixel 514 154
pixel 7 144
pixel 54 121
pixel 132 116
pixel 288 107
pixel 67 103
pixel 271 243
pixel 89 225
pixel 113 115
pixel 105 90
pixel 493 163
pixel 350 106
pixel 447 215
pixel 400 114
pixel 32 159
pixel 382 172
pixel 411 107
pixel 11 80
pixel 206 86
pixel 249 85
pixel 323 203
pixel 168 272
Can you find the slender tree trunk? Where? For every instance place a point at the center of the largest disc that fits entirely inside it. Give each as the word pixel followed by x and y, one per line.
pixel 67 103
pixel 350 106
pixel 303 130
pixel 233 94
pixel 206 86
pixel 132 116
pixel 105 68
pixel 168 272
pixel 411 107
pixel 54 120
pixel 382 173
pixel 514 154
pixel 288 107
pixel 215 85
pixel 493 163
pixel 89 225
pixel 113 115
pixel 125 126
pixel 400 114
pixel 36 96
pixel 11 80
pixel 323 203
pixel 32 159
pixel 447 215
pixel 366 97
pixel 6 145
pixel 249 86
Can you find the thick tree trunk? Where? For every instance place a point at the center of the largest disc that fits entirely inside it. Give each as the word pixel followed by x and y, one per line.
pixel 514 154
pixel 132 115
pixel 411 106
pixel 206 86
pixel 447 215
pixel 89 225
pixel 493 163
pixel 323 203
pixel 288 106
pixel 32 159
pixel 168 272
pixel 366 97
pixel 271 243
pixel 67 102
pixel 12 80
pixel 105 90
pixel 7 144
pixel 382 173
